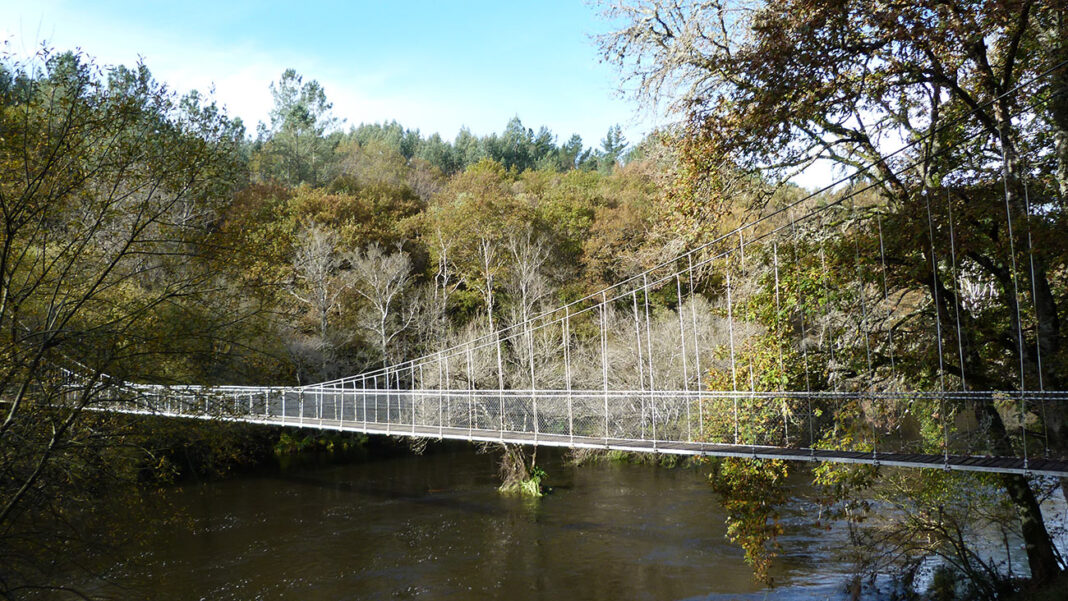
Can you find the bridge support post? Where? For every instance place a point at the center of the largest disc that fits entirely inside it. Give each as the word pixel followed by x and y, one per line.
pixel 730 336
pixel 604 360
pixel 500 378
pixel 682 352
pixel 533 381
pixel 441 415
pixel 340 416
pixel 649 351
pixel 696 347
pixel 389 403
pixel 411 393
pixel 566 328
pixel 470 395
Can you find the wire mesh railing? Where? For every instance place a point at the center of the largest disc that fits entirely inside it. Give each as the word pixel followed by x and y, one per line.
pixel 747 424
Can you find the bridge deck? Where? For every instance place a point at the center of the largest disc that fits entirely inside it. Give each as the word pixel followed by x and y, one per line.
pixel 1013 465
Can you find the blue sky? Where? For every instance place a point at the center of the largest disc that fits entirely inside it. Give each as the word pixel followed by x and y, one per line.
pixel 435 66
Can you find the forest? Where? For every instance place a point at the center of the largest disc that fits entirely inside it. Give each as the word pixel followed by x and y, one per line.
pixel 151 237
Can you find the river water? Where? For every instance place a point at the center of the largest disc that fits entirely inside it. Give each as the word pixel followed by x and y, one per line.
pixel 435 527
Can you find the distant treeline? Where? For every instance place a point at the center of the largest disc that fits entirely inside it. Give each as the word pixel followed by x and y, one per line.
pixel 305 143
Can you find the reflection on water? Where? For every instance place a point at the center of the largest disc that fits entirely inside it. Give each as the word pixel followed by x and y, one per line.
pixel 434 527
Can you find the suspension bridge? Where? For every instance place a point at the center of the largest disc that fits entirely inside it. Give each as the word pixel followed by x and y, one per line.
pixel 782 339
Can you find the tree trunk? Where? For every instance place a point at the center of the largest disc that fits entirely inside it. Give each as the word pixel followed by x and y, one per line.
pixel 1041 555
pixel 324 328
pixel 1059 108
pixel 1049 326
pixel 383 341
pixel 1049 329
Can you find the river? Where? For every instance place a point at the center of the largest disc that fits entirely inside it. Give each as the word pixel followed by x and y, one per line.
pixel 434 526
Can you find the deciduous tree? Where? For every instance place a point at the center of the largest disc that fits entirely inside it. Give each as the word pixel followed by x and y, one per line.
pixel 777 86
pixel 109 185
